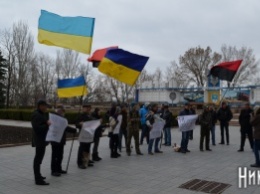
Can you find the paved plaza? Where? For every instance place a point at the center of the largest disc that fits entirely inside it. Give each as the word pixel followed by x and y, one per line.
pixel 160 173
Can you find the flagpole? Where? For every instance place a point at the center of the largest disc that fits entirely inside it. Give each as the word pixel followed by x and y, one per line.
pixel 73 138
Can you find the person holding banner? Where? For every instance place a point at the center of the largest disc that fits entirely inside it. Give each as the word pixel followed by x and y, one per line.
pixel 115 121
pixel 40 125
pixel 205 120
pixel 83 159
pixel 133 130
pixel 185 134
pixel 58 147
pixel 152 118
pixel 214 120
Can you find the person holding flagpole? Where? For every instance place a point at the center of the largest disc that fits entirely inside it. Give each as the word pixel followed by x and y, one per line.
pixel 58 147
pixel 83 159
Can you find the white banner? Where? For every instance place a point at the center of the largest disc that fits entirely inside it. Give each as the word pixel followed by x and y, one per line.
pixel 187 122
pixel 88 131
pixel 157 128
pixel 57 127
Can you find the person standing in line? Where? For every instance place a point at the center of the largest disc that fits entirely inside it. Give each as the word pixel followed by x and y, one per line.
pixel 58 147
pixel 133 130
pixel 145 130
pixel 224 116
pixel 150 120
pixel 213 125
pixel 255 122
pixel 192 112
pixel 205 126
pixel 115 121
pixel 123 130
pixel 40 125
pixel 185 134
pixel 167 116
pixel 97 135
pixel 83 159
pixel 246 127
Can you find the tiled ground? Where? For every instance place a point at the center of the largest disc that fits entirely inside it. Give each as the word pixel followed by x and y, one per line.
pixel 161 173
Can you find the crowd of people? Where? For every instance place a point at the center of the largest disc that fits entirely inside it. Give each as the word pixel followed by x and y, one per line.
pixel 124 123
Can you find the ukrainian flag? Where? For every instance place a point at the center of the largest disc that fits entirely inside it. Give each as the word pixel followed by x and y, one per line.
pixel 72 87
pixel 73 33
pixel 122 65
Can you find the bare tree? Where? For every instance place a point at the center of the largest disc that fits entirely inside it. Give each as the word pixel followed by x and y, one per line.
pixel 18 46
pixel 8 51
pixel 249 66
pixel 194 64
pixel 174 74
pixel 67 63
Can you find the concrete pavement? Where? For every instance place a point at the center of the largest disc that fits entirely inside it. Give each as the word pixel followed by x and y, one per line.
pixel 160 173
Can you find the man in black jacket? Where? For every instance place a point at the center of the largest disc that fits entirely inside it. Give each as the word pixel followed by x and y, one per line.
pixel 246 128
pixel 40 125
pixel 58 148
pixel 167 116
pixel 84 148
pixel 205 126
pixel 224 115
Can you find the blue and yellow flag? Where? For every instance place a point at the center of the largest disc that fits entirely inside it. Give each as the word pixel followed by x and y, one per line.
pixel 73 33
pixel 72 87
pixel 122 65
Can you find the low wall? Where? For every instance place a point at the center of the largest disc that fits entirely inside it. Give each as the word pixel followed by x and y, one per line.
pixel 16 136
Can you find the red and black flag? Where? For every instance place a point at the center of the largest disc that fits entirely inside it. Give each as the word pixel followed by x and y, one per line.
pixel 226 70
pixel 98 55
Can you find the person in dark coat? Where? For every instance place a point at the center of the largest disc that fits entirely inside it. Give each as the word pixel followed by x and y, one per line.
pixel 224 115
pixel 97 135
pixel 58 148
pixel 84 148
pixel 205 126
pixel 167 116
pixel 246 127
pixel 40 125
pixel 123 128
pixel 133 130
pixel 255 122
pixel 185 134
pixel 214 120
pixel 192 112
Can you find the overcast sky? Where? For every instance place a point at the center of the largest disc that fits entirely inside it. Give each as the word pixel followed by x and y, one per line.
pixel 162 30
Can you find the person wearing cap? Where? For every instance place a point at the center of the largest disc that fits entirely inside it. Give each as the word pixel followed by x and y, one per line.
pixel 40 125
pixel 133 130
pixel 246 128
pixel 167 116
pixel 145 130
pixel 224 115
pixel 58 147
pixel 83 159
pixel 185 134
pixel 205 120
